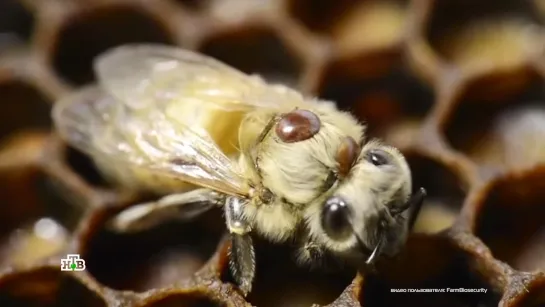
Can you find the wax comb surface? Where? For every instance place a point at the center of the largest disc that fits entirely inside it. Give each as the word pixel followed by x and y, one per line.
pixel 458 86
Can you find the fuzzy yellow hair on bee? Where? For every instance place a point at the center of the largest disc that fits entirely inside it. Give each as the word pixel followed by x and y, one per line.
pixel 201 134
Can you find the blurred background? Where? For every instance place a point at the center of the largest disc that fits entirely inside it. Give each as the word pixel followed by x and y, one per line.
pixel 457 85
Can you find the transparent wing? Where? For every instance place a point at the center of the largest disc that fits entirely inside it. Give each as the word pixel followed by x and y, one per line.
pixel 102 126
pixel 185 206
pixel 142 75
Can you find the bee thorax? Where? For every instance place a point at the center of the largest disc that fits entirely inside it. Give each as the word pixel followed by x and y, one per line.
pixel 276 221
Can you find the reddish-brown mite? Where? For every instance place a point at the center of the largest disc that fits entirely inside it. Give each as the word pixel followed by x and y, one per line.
pixel 297 126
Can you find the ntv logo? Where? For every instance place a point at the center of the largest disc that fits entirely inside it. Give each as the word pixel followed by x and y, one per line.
pixel 72 262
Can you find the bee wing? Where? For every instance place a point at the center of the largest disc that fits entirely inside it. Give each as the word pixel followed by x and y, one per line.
pixel 100 125
pixel 142 75
pixel 184 206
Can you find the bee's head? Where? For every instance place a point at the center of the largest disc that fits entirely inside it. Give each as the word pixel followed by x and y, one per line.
pixel 371 210
pixel 355 194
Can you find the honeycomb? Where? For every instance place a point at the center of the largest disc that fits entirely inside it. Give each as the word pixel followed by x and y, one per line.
pixel 456 85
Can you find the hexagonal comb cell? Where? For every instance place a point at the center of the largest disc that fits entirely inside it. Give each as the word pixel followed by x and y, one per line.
pixel 370 25
pixel 193 4
pixel 255 50
pixel 46 286
pixel 445 189
pixel 161 256
pixel 354 25
pixel 510 220
pixel 32 239
pixel 35 221
pixel 491 33
pixel 281 281
pixel 423 259
pixel 16 23
pixel 29 232
pixel 502 134
pixel 316 15
pixel 537 296
pixel 431 272
pixel 186 300
pixel 392 103
pixel 496 120
pixel 95 31
pixel 25 108
pixel 84 166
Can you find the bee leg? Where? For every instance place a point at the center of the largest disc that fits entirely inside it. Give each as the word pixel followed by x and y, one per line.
pixel 242 261
pixel 183 206
pixel 268 127
pixel 241 252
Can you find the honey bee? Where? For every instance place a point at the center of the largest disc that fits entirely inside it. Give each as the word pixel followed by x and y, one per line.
pixel 202 134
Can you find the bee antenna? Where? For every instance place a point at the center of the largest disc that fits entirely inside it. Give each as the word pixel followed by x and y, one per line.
pixel 376 251
pixel 415 202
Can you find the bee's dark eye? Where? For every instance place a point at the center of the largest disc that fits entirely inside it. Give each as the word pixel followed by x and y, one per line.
pixel 335 219
pixel 378 157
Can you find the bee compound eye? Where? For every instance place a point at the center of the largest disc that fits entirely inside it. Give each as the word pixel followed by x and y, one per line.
pixel 378 157
pixel 297 126
pixel 335 219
